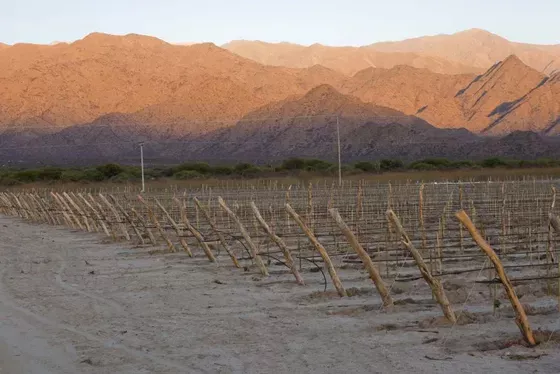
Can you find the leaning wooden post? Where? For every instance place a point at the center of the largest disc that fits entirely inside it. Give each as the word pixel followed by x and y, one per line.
pixel 194 231
pixel 156 223
pixel 146 228
pixel 214 227
pixel 117 216
pixel 322 251
pixel 252 247
pixel 69 221
pixel 279 242
pixel 368 264
pixel 78 209
pixel 128 218
pixel 177 229
pixel 521 320
pixel 96 214
pixel 70 211
pixel 434 283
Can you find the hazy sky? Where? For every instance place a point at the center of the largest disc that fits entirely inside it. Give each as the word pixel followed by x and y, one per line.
pixel 331 22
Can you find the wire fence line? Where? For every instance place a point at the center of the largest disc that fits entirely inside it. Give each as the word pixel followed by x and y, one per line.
pixel 225 225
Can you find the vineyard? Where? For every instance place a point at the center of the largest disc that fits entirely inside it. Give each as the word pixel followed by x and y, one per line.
pixel 469 253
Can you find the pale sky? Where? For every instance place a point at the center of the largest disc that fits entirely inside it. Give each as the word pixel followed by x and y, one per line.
pixel 330 22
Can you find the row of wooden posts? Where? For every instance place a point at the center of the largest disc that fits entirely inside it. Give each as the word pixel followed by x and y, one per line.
pixel 105 214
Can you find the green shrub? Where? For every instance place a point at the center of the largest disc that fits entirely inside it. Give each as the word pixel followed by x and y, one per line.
pixel 187 174
pixel 387 165
pixel 493 162
pixel 422 166
pixel 367 166
pixel 110 170
pixel 72 176
pixel 293 164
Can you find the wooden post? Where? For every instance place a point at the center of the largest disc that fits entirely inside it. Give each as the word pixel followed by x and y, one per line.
pixel 69 221
pixel 78 209
pixel 146 228
pixel 194 231
pixel 434 283
pixel 87 214
pixel 103 216
pixel 177 229
pixel 70 211
pixel 368 264
pixel 521 320
pixel 322 251
pixel 128 218
pixel 252 247
pixel 152 215
pixel 279 242
pixel 100 219
pixel 214 228
pixel 117 216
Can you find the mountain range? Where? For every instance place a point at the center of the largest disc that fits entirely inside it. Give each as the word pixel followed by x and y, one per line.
pixel 438 96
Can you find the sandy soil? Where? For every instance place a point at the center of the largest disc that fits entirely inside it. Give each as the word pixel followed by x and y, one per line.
pixel 70 303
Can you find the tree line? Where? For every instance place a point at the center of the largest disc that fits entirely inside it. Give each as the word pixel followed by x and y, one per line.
pixel 293 166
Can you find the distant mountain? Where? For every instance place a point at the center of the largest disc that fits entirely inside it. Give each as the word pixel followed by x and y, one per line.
pixel 96 98
pixel 405 88
pixel 477 48
pixel 367 132
pixel 538 110
pixel 347 60
pixel 75 83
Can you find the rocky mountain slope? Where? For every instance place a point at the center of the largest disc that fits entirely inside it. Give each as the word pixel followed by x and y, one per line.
pixel 99 96
pixel 266 135
pixel 470 51
pixel 347 60
pixel 68 84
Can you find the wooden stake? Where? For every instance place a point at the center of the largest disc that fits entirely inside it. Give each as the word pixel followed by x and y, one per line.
pixel 322 251
pixel 521 320
pixel 128 218
pixel 434 283
pixel 177 229
pixel 279 242
pixel 194 231
pixel 100 219
pixel 368 264
pixel 118 221
pixel 214 228
pixel 155 221
pixel 252 247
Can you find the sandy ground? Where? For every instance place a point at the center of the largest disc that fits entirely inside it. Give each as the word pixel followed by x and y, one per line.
pixel 70 303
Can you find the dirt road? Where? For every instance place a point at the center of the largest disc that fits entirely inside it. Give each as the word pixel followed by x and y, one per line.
pixel 70 303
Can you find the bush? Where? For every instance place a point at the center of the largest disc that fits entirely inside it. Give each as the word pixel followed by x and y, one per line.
pixel 246 169
pixel 26 176
pixel 110 170
pixel 386 164
pixel 493 162
pixel 200 167
pixel 293 164
pixel 93 175
pixel 222 170
pixel 367 166
pixel 72 176
pixel 187 174
pixel 316 165
pixel 422 166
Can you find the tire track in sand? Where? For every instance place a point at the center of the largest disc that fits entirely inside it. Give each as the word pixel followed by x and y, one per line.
pixel 5 300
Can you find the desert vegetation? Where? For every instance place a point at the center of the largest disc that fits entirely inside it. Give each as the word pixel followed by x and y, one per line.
pixel 292 167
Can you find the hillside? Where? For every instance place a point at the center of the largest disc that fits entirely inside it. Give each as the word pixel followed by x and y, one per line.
pixel 537 111
pixel 347 60
pixel 405 88
pixel 477 48
pixel 486 98
pixel 67 84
